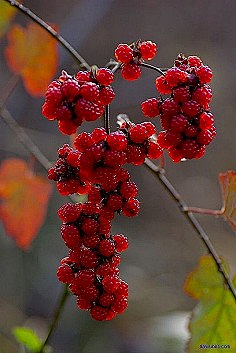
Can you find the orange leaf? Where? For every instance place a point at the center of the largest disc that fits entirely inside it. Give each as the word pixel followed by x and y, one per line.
pixel 32 53
pixel 7 13
pixel 228 186
pixel 24 199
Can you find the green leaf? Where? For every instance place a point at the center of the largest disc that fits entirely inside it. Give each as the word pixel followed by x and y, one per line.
pixel 213 321
pixel 28 338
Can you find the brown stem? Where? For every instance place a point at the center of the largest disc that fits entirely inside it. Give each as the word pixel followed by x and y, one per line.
pixel 57 313
pixel 205 211
pixel 107 120
pixel 51 31
pixel 153 68
pixel 159 174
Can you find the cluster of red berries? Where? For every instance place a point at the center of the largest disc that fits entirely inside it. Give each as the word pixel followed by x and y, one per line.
pixel 95 167
pixel 186 119
pixel 131 56
pixel 70 100
pixel 91 269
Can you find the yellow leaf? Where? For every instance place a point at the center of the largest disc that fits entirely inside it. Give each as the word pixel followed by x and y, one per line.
pixel 213 320
pixel 32 53
pixel 7 13
pixel 24 198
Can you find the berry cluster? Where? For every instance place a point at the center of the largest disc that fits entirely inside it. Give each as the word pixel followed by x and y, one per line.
pixel 70 100
pixel 132 55
pixel 186 119
pixel 95 167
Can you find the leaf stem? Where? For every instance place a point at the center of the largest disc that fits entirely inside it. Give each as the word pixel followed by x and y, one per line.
pixel 205 211
pixel 160 175
pixel 57 313
pixel 26 11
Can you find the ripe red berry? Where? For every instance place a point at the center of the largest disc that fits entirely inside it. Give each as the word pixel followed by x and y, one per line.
pixel 131 207
pixel 89 111
pixel 131 71
pixel 178 123
pixel 106 248
pixel 204 74
pixel 104 76
pixel 99 313
pixel 121 242
pixel 138 133
pixel 110 283
pixel 124 53
pixel 150 107
pixel 206 121
pixel 191 108
pixel 148 50
pixel 106 95
pixel 162 86
pixel 65 274
pixel 89 91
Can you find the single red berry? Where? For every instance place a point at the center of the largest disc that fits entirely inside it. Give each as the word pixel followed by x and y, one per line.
pixel 83 76
pixel 202 95
pixel 99 134
pixel 173 138
pixel 194 60
pixel 175 154
pixel 106 95
pixel 205 137
pixel 204 74
pixel 106 248
pixel 150 127
pixel 70 89
pixel 138 133
pixel 131 72
pixel 189 148
pixel 88 258
pixel 162 86
pixel 104 76
pixel 117 141
pixel 178 123
pixel 121 242
pixel 148 50
pixel 191 131
pixel 91 241
pixel 84 303
pixel 162 140
pixel 150 107
pixel 128 189
pixel 106 299
pixel 124 53
pixel 114 202
pixel 174 76
pixel 89 91
pixel 131 207
pixel 84 278
pixel 65 273
pixel 169 107
pixel 206 121
pixel 71 236
pixel 154 150
pixel 89 111
pixel 89 226
pixel 191 108
pixel 69 212
pixel 110 283
pixel 68 127
pixel 120 304
pixel 135 155
pixel 181 94
pixel 99 313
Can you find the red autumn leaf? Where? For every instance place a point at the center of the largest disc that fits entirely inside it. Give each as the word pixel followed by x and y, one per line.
pixel 24 198
pixel 7 13
pixel 32 53
pixel 228 187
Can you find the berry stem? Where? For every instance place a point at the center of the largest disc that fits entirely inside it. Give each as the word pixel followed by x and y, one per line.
pixel 153 68
pixel 26 11
pixel 57 313
pixel 205 211
pixel 159 174
pixel 107 119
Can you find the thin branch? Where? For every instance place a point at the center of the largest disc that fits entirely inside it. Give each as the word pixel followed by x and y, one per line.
pixel 24 138
pixel 153 68
pixel 159 174
pixel 107 120
pixel 57 313
pixel 205 211
pixel 26 11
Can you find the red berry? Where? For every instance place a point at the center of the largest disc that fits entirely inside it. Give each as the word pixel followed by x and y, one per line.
pixel 84 303
pixel 154 150
pixel 98 134
pixel 150 107
pixel 106 299
pixel 138 133
pixel 148 50
pixel 204 74
pixel 69 212
pixel 71 236
pixel 124 53
pixel 120 304
pixel 206 121
pixel 162 86
pixel 169 107
pixel 205 137
pixel 110 283
pixel 178 123
pixel 128 189
pixel 89 226
pixel 117 141
pixel 106 248
pixel 130 71
pixel 99 313
pixel 189 148
pixel 87 110
pixel 191 108
pixel 131 207
pixel 88 258
pixel 121 242
pixel 104 76
pixel 89 91
pixel 174 76
pixel 65 273
pixel 194 60
pixel 106 95
pixel 181 94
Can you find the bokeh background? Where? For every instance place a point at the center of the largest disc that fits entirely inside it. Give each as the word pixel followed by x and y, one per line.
pixel 163 247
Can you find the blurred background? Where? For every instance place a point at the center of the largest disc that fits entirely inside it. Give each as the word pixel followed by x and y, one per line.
pixel 163 247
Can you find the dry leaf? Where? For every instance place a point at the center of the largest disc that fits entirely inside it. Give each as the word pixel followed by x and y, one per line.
pixel 32 53
pixel 24 198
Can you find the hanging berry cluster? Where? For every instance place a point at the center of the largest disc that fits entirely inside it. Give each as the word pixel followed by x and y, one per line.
pixel 95 166
pixel 186 119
